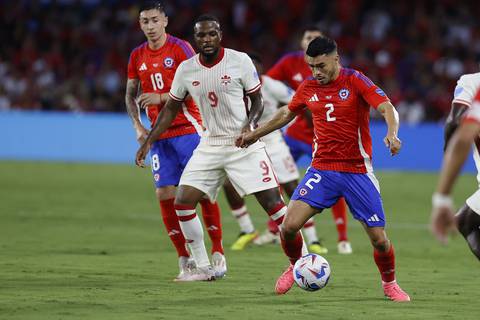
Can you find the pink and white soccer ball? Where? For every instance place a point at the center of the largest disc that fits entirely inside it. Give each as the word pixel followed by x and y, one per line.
pixel 311 272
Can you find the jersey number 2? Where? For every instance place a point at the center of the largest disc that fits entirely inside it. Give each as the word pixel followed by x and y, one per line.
pixel 329 112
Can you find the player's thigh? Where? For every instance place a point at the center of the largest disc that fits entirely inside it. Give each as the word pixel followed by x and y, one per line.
pixel 319 189
pixel 298 213
pixel 165 168
pixel 362 194
pixel 283 163
pixel 204 171
pixel 250 170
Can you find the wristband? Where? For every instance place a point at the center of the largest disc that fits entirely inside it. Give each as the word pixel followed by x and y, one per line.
pixel 441 200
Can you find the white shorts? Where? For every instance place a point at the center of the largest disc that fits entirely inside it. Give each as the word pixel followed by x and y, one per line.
pixel 282 160
pixel 249 169
pixel 474 202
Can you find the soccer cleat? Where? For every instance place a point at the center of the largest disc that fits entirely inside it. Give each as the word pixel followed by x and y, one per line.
pixel 186 266
pixel 316 247
pixel 243 240
pixel 344 247
pixel 199 274
pixel 393 292
pixel 219 265
pixel 267 237
pixel 285 281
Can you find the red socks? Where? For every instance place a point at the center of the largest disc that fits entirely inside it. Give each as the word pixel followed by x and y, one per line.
pixel 293 247
pixel 170 220
pixel 386 263
pixel 211 218
pixel 339 211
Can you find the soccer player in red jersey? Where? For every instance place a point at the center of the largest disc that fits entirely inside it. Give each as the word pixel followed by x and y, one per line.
pixel 152 66
pixel 339 100
pixel 293 70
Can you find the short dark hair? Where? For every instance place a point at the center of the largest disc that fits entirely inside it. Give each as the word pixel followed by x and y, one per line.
pixel 206 17
pixel 150 5
pixel 255 57
pixel 312 27
pixel 321 45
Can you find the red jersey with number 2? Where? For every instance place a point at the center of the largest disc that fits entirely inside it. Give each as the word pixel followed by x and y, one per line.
pixel 340 112
pixel 293 70
pixel 156 69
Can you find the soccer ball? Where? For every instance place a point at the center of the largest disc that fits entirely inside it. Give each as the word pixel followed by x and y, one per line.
pixel 311 272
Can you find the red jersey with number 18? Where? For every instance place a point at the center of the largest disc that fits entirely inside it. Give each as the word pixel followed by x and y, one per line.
pixel 340 111
pixel 156 69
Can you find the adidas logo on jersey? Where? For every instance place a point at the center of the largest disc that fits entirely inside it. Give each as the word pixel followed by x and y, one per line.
pixel 314 98
pixel 143 67
pixel 373 218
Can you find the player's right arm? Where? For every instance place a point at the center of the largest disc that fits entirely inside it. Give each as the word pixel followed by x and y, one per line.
pixel 133 110
pixel 164 120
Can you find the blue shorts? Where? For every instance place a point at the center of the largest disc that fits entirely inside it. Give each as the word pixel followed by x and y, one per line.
pixel 170 156
pixel 322 189
pixel 299 148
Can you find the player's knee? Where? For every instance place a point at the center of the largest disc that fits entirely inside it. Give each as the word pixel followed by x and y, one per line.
pixel 289 230
pixel 381 244
pixel 164 193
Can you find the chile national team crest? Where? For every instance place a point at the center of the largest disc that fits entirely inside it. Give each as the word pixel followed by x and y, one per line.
pixel 168 62
pixel 343 94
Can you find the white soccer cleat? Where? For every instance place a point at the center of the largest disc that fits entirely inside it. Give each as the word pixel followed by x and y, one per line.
pixel 344 247
pixel 267 237
pixel 186 266
pixel 199 274
pixel 219 265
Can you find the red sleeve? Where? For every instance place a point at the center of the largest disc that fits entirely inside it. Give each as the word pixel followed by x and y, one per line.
pixel 184 50
pixel 277 72
pixel 132 66
pixel 297 104
pixel 372 94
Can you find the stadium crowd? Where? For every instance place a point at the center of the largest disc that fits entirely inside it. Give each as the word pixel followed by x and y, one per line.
pixel 72 54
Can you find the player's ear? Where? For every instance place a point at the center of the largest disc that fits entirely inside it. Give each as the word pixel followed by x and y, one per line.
pixel 166 21
pixel 220 34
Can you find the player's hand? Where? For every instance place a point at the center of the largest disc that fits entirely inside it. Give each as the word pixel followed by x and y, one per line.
pixel 442 223
pixel 147 99
pixel 393 143
pixel 246 138
pixel 141 134
pixel 141 154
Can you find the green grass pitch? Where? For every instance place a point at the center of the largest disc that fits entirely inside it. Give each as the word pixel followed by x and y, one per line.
pixel 87 242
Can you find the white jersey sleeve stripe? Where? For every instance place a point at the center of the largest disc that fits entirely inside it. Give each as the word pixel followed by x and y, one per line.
pixel 461 101
pixel 254 89
pixel 174 97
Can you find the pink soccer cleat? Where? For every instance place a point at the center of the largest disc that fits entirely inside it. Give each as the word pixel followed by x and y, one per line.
pixel 285 281
pixel 393 292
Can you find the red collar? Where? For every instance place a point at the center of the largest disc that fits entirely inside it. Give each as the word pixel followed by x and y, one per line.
pixel 217 60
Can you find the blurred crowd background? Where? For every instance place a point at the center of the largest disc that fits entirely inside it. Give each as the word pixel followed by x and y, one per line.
pixel 72 55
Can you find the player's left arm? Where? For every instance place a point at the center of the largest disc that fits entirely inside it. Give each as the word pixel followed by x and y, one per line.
pixel 152 98
pixel 390 114
pixel 255 112
pixel 164 120
pixel 442 216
